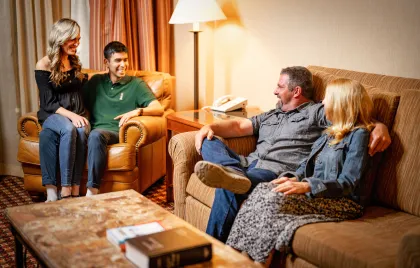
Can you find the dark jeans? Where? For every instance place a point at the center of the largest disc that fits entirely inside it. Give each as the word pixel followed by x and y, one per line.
pixel 226 204
pixel 62 144
pixel 98 141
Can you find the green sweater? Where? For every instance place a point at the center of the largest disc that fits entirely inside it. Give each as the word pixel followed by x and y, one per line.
pixel 105 100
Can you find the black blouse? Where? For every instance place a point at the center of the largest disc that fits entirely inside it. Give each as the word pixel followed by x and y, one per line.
pixel 68 95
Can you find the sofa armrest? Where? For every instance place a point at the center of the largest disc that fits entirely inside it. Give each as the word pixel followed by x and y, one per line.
pixel 28 125
pixel 181 148
pixel 184 156
pixel 409 249
pixel 143 130
pixel 241 145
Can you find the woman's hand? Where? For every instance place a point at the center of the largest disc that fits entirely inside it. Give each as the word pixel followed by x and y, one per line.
pixel 283 179
pixel 292 187
pixel 78 120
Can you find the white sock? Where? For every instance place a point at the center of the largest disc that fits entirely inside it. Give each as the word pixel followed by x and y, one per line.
pixel 92 191
pixel 51 193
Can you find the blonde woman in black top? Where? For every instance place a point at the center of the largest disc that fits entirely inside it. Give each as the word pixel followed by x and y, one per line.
pixel 64 132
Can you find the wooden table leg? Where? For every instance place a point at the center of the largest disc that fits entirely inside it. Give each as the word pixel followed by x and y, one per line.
pixel 18 249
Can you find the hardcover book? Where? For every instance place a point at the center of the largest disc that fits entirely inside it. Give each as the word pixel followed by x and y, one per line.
pixel 118 236
pixel 170 248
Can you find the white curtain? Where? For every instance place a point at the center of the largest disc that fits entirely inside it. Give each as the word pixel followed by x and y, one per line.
pixel 33 21
pixel 25 25
pixel 80 13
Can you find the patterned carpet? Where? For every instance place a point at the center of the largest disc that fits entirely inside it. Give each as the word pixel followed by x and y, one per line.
pixel 12 194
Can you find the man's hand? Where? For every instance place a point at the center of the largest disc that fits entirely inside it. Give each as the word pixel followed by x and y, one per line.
pixel 204 132
pixel 379 139
pixel 292 187
pixel 78 120
pixel 125 117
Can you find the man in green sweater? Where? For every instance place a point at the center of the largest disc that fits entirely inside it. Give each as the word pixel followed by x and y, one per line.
pixel 112 99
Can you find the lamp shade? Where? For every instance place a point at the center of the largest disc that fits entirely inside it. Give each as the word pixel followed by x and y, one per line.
pixel 192 11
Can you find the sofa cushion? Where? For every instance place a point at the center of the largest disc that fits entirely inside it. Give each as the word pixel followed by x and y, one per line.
pixel 385 107
pixel 200 191
pixel 159 83
pixel 121 156
pixel 196 213
pixel 398 182
pixel 371 241
pixel 385 103
pixel 409 249
pixel 385 82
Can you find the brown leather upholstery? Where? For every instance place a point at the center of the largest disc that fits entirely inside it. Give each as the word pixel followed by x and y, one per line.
pixel 136 162
pixel 388 233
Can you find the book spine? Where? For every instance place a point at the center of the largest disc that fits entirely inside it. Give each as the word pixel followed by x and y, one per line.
pixel 183 257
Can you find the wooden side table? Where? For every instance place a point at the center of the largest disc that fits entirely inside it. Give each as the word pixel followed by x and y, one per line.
pixel 193 120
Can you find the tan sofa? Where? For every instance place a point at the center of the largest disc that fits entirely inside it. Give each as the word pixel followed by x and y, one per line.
pixel 388 234
pixel 136 162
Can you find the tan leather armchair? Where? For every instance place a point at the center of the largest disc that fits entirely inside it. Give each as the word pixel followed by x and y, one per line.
pixel 136 162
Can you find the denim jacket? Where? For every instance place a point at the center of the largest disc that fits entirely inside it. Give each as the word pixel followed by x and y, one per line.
pixel 338 169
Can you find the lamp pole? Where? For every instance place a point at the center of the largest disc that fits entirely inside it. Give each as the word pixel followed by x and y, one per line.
pixel 196 69
pixel 196 31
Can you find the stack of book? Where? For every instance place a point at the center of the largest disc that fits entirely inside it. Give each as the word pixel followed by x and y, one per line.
pixel 118 236
pixel 171 248
pixel 151 245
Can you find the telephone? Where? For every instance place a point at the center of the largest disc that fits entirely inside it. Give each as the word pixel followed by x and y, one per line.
pixel 229 103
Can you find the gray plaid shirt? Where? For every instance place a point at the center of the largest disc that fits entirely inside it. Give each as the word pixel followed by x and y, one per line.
pixel 285 138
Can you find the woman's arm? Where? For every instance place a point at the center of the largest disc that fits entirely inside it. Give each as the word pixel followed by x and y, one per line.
pixel 47 99
pixel 77 120
pixel 351 173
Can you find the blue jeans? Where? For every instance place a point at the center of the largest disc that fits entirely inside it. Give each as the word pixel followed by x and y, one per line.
pixel 98 141
pixel 62 144
pixel 226 204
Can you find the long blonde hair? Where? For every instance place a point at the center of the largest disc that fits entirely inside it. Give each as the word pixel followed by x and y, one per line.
pixel 62 31
pixel 348 106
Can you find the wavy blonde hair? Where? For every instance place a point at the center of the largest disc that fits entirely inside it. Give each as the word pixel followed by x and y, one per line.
pixel 62 31
pixel 348 107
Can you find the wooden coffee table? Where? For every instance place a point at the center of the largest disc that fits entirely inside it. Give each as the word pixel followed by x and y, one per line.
pixel 185 121
pixel 72 233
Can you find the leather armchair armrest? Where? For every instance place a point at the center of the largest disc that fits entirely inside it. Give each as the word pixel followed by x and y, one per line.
pixel 142 130
pixel 28 125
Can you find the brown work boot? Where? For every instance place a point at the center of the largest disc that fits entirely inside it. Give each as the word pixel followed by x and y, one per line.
pixel 218 176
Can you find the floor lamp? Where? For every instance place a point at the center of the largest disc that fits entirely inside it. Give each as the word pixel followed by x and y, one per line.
pixel 196 11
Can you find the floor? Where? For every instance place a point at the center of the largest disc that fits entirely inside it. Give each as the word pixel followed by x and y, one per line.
pixel 12 194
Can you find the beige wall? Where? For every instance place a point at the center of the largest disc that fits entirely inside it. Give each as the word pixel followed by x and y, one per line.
pixel 244 55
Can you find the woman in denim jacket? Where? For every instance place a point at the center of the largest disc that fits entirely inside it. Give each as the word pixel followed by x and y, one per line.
pixel 325 187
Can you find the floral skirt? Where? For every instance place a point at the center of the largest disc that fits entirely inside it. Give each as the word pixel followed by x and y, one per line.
pixel 268 220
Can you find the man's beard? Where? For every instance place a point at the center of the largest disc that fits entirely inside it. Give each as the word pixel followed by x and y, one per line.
pixel 279 104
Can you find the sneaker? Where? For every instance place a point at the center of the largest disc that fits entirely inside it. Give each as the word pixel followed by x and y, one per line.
pixel 218 176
